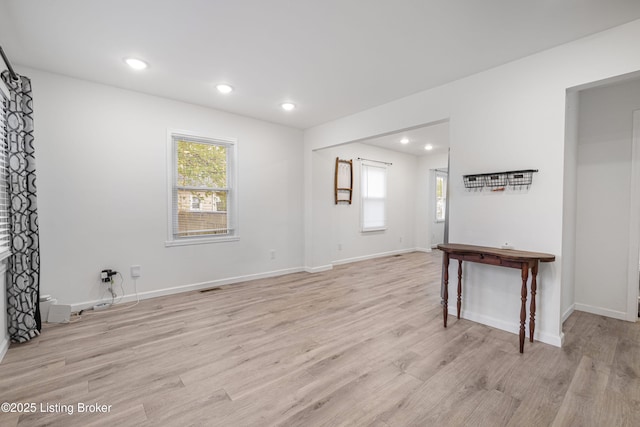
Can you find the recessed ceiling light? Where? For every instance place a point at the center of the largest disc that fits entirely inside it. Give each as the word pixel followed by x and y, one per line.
pixel 428 147
pixel 224 88
pixel 288 106
pixel 136 64
pixel 404 141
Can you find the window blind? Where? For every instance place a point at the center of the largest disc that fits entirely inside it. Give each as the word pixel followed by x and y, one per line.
pixel 4 194
pixel 374 197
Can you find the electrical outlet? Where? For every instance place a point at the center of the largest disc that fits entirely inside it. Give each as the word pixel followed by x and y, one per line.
pixel 339 246
pixel 105 275
pixel 272 252
pixel 507 245
pixel 135 271
pixel 400 240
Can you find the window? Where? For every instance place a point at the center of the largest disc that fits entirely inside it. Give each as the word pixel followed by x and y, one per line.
pixel 441 195
pixel 202 192
pixel 373 193
pixel 4 193
pixel 195 203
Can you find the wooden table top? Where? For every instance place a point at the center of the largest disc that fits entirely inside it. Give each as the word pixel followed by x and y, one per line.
pixel 510 254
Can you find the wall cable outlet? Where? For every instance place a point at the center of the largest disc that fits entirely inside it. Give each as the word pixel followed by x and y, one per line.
pixel 135 271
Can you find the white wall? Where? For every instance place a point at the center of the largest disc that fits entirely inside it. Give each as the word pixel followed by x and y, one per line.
pixel 506 118
pixel 603 197
pixel 342 239
pixel 102 191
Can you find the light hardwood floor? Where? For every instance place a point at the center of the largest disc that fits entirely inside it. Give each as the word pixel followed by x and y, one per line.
pixel 362 344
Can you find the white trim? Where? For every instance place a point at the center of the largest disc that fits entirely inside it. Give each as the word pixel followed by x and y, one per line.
pixel 372 256
pixel 201 241
pixel 319 269
pixel 621 315
pixel 192 287
pixel 568 312
pixel 427 250
pixel 373 230
pixel 327 267
pixel 633 274
pixel 513 327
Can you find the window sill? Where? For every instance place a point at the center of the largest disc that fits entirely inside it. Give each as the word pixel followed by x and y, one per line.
pixel 369 230
pixel 200 241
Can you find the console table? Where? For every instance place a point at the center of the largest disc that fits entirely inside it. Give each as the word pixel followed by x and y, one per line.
pixel 500 257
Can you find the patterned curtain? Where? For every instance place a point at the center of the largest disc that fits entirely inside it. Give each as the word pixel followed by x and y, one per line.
pixel 23 272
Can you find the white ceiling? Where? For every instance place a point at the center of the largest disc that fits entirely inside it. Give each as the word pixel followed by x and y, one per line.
pixel 330 57
pixel 436 135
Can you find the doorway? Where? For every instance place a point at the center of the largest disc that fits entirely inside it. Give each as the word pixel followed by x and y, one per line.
pixel 634 240
pixel 439 196
pixel 607 235
pixel 409 156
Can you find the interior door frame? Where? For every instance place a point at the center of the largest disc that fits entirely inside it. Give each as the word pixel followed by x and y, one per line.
pixel 634 224
pixel 446 203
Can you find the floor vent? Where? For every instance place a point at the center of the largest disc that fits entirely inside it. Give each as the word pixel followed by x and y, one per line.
pixel 211 290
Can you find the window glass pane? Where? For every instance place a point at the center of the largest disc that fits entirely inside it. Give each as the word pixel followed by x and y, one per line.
pixel 439 186
pixel 440 209
pixel 210 218
pixel 201 165
pixel 441 196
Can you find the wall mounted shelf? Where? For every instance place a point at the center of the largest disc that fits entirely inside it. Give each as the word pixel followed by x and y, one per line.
pixel 498 181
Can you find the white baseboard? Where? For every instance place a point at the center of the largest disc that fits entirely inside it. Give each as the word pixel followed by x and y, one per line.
pixel 4 346
pixel 372 256
pixel 423 249
pixel 318 269
pixel 75 307
pixel 568 312
pixel 513 327
pixel 187 288
pixel 621 315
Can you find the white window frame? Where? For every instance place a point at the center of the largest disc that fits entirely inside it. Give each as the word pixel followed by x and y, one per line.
pixel 445 177
pixel 363 166
pixel 232 185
